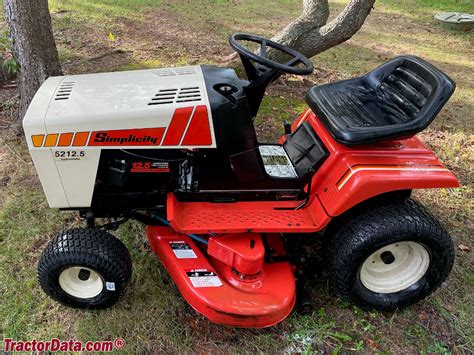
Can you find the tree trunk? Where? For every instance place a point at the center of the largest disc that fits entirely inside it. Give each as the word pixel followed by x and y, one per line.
pixel 311 34
pixel 34 48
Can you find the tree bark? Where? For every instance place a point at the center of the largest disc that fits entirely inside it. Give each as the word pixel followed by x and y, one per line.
pixel 311 34
pixel 34 48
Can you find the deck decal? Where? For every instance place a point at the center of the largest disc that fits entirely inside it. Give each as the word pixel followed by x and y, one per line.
pixel 182 250
pixel 203 278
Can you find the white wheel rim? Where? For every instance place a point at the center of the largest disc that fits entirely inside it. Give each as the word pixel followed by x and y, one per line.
pixel 395 267
pixel 81 282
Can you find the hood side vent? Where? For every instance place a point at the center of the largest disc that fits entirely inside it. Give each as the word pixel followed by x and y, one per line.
pixel 189 94
pixel 164 96
pixel 170 96
pixel 64 90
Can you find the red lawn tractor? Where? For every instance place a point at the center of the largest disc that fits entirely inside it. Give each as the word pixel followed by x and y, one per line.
pixel 176 149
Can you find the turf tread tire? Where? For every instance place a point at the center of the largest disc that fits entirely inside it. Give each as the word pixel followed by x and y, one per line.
pixel 364 232
pixel 92 248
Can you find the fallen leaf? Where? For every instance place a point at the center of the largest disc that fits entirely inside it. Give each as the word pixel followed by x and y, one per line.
pixel 422 316
pixel 463 247
pixel 449 307
pixel 371 343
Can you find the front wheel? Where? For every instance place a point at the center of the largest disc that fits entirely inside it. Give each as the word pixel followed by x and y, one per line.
pixel 85 268
pixel 389 256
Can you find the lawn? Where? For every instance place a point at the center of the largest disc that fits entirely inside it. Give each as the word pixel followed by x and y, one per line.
pixel 107 35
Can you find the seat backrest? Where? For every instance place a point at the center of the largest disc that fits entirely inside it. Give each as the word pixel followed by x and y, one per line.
pixel 416 87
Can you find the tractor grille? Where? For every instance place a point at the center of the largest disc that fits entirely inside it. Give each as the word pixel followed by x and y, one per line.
pixel 64 90
pixel 170 96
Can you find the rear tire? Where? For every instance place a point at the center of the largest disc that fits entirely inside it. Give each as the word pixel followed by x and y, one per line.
pixel 388 256
pixel 85 268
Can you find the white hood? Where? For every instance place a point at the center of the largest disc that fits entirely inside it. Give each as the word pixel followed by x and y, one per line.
pixel 118 101
pixel 72 118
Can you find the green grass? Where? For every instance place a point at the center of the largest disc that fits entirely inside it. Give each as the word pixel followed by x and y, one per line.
pixel 103 8
pixel 152 316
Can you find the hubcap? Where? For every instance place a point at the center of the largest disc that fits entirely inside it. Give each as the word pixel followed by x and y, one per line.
pixel 81 282
pixel 395 267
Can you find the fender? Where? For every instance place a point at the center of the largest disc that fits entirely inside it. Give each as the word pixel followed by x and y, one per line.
pixel 352 175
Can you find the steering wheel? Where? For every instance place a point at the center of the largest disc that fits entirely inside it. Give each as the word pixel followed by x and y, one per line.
pixel 290 66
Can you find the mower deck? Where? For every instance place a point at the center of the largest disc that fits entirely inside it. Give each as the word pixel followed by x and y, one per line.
pixel 239 217
pixel 218 290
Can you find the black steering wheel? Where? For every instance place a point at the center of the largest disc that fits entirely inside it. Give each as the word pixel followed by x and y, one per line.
pixel 290 66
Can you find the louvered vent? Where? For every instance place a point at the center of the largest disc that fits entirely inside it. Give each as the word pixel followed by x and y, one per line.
pixel 164 96
pixel 64 90
pixel 175 71
pixel 189 94
pixel 169 96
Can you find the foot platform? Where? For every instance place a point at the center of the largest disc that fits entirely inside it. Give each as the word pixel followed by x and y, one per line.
pixel 240 217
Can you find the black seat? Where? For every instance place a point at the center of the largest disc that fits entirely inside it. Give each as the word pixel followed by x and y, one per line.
pixel 398 99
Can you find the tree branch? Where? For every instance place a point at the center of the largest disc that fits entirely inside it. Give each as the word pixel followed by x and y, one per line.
pixel 315 14
pixel 350 20
pixel 310 33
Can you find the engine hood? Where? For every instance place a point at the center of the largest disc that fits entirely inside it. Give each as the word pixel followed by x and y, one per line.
pixel 167 107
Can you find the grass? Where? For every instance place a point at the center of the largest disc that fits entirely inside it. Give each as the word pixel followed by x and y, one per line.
pixel 103 9
pixel 152 316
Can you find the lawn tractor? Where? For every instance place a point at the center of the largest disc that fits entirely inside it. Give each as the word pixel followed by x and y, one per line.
pixel 176 149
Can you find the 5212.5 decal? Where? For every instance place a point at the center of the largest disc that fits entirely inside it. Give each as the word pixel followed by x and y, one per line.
pixel 69 154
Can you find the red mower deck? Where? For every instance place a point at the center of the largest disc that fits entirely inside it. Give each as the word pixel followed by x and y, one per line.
pixel 218 291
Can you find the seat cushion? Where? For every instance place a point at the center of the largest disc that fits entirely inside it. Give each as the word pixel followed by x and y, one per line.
pixel 398 99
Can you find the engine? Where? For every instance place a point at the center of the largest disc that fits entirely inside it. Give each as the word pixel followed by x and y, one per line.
pixel 120 134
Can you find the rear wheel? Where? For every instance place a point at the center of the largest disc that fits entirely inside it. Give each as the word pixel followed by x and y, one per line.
pixel 388 256
pixel 85 268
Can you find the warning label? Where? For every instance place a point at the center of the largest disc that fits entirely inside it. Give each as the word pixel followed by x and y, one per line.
pixel 203 278
pixel 182 250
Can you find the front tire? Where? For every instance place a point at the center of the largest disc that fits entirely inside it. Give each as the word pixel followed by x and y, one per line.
pixel 85 268
pixel 388 256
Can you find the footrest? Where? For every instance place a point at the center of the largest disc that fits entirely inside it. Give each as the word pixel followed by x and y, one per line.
pixel 239 217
